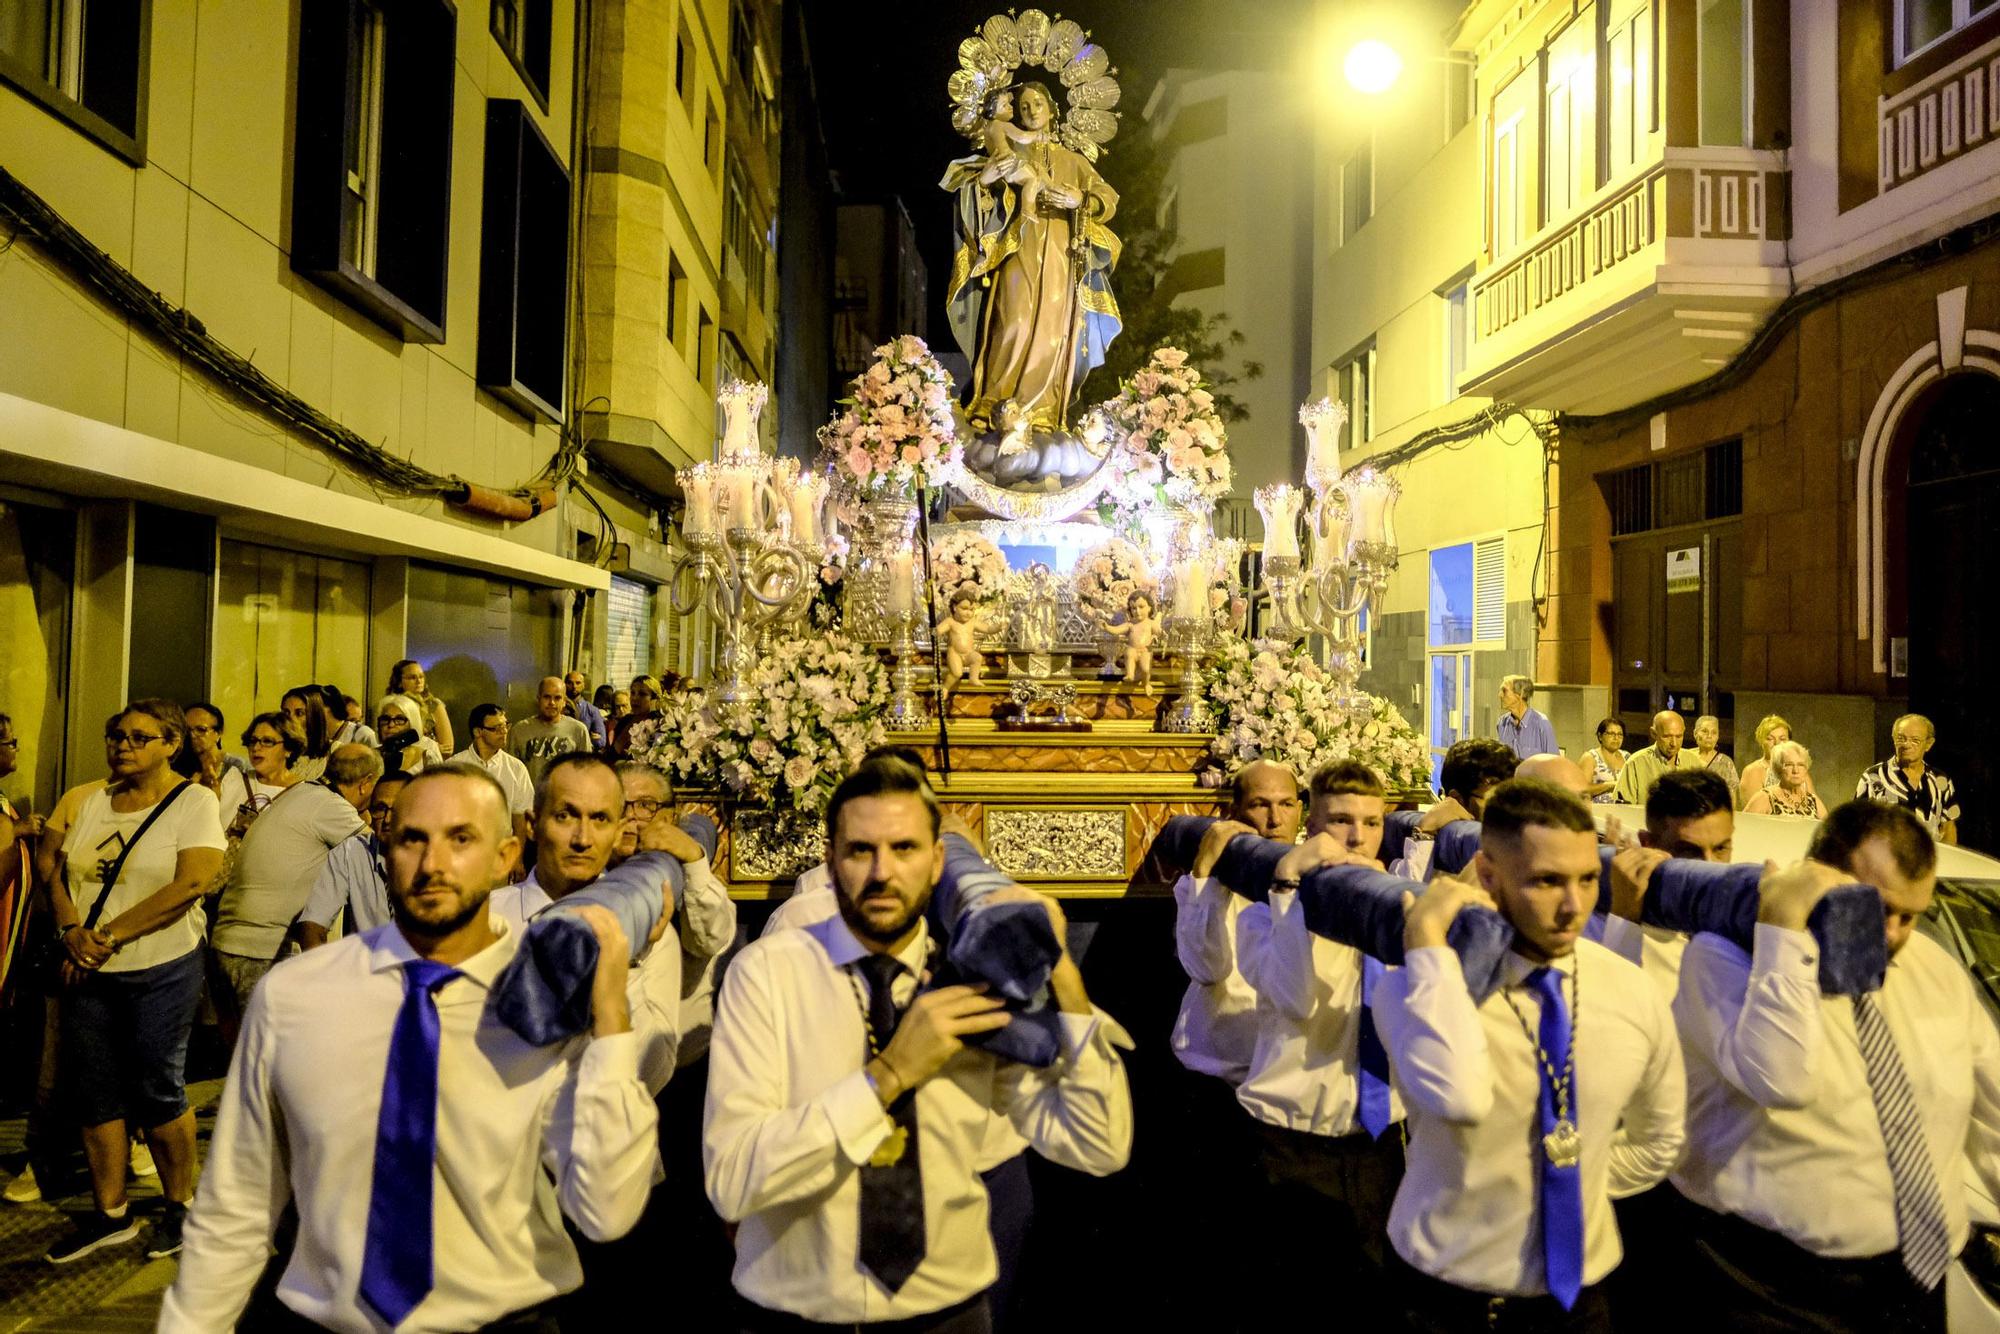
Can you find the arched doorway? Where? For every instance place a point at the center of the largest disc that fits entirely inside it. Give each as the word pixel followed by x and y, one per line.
pixel 1953 520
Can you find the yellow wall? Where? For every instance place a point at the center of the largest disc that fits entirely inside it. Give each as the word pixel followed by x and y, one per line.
pixel 205 223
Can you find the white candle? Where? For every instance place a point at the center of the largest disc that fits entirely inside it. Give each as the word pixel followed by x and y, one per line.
pixel 1332 521
pixel 902 593
pixel 1191 588
pixel 1370 494
pixel 739 489
pixel 699 489
pixel 1324 421
pixel 1279 505
pixel 807 497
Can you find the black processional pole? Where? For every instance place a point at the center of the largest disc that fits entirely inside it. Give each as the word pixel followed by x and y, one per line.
pixel 931 611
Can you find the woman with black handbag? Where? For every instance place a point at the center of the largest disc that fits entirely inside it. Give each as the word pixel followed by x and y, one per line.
pixel 136 861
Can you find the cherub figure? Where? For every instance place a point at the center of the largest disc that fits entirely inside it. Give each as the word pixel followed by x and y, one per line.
pixel 1002 140
pixel 1137 632
pixel 960 633
pixel 1015 429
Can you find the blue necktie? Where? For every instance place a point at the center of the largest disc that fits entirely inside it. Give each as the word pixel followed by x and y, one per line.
pixel 396 1271
pixel 1371 1077
pixel 1562 1187
pixel 893 1238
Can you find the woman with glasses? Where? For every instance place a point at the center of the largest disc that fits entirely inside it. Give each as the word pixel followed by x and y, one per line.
pixel 645 700
pixel 127 917
pixel 203 759
pixel 405 749
pixel 275 745
pixel 407 678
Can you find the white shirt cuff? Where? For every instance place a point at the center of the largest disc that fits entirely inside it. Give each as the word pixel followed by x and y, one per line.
pixel 859 1123
pixel 1788 953
pixel 610 1059
pixel 1282 902
pixel 1432 964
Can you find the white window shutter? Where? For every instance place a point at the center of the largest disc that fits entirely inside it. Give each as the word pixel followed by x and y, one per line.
pixel 1489 591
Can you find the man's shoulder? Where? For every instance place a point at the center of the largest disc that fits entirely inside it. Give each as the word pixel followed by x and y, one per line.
pixel 780 952
pixel 332 967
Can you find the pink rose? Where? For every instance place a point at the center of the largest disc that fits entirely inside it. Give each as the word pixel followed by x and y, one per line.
pixel 858 462
pixel 1170 356
pixel 912 455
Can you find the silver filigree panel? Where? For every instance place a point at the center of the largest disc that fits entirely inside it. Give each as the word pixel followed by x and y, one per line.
pixel 1061 843
pixel 764 846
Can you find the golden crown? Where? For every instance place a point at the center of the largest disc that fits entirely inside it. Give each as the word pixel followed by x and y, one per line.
pixel 1008 43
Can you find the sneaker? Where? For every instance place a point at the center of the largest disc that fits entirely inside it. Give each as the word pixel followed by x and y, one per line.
pixel 90 1231
pixel 166 1238
pixel 23 1189
pixel 142 1160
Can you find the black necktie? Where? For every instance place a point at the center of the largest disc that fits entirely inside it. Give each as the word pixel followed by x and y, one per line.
pixel 892 1184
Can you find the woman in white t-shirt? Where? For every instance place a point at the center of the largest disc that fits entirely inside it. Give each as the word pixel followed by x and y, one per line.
pixel 274 744
pixel 133 972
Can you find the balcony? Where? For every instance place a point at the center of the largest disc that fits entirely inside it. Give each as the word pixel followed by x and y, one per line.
pixel 1657 282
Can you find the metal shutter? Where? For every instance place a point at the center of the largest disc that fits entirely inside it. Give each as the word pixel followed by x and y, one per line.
pixel 1489 591
pixel 628 647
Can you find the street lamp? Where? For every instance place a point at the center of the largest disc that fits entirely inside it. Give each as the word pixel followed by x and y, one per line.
pixel 1372 66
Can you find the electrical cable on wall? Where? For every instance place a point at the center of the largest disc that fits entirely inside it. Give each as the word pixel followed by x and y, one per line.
pixel 30 215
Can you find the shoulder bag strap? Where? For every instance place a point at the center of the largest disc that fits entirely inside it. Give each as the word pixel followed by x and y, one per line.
pixel 97 908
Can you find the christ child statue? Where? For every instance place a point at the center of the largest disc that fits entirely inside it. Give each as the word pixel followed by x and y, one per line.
pixel 960 633
pixel 1002 139
pixel 1137 632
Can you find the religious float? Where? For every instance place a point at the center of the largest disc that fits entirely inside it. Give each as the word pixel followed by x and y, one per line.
pixel 1026 591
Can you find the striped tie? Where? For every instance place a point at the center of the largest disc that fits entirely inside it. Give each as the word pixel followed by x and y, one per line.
pixel 1920 1224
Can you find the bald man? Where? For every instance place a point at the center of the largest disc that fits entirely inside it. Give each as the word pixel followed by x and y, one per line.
pixel 1557 769
pixel 537 741
pixel 1664 756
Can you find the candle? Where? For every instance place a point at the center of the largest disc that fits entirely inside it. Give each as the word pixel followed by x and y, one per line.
pixel 807 497
pixel 1279 505
pixel 698 486
pixel 1191 587
pixel 1371 494
pixel 1332 522
pixel 1324 421
pixel 739 490
pixel 902 594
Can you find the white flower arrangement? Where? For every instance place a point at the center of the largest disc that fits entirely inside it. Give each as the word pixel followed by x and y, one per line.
pixel 968 562
pixel 1172 437
pixel 895 432
pixel 1107 575
pixel 1273 705
pixel 818 710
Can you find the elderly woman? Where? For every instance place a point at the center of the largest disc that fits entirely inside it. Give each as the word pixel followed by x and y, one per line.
pixel 407 678
pixel 275 745
pixel 1792 794
pixel 1602 762
pixel 1759 774
pixel 646 694
pixel 405 749
pixel 1707 732
pixel 136 860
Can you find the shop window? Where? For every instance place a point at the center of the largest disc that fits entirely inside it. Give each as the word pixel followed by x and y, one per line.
pixel 371 170
pixel 524 265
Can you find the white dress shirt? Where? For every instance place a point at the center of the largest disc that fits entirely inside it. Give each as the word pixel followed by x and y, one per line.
pixel 1468 1211
pixel 1216 1030
pixel 1782 1125
pixel 1302 1073
pixel 1656 949
pixel 707 928
pixel 812 902
pixel 524 1135
pixel 791 1118
pixel 652 988
pixel 510 773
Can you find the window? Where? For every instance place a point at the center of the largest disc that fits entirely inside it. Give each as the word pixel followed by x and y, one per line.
pixel 1354 385
pixel 522 27
pixel 628 632
pixel 1920 23
pixel 1468 594
pixel 1357 189
pixel 84 62
pixel 371 170
pixel 741 237
pixel 704 347
pixel 711 139
pixel 1513 139
pixel 524 265
pixel 1457 339
pixel 1723 75
pixel 1628 111
pixel 677 298
pixel 742 45
pixel 684 65
pixel 1570 118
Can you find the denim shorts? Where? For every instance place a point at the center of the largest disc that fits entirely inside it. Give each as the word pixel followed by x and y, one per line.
pixel 125 1039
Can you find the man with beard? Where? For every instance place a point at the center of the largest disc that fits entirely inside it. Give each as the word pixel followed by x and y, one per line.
pixel 1834 1141
pixel 1528 1111
pixel 428 1197
pixel 845 1112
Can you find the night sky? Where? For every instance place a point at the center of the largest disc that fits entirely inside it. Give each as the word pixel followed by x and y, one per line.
pixel 880 73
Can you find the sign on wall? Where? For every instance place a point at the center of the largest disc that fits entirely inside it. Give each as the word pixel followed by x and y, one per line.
pixel 1684 570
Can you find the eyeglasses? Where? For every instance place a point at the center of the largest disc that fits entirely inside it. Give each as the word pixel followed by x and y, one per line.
pixel 499 726
pixel 8 741
pixel 645 806
pixel 257 741
pixel 137 740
